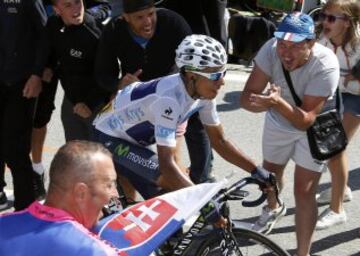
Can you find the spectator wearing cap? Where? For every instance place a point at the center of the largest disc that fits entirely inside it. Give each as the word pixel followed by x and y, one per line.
pixel 142 43
pixel 314 71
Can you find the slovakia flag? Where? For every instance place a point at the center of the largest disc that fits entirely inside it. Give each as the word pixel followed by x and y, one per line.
pixel 142 228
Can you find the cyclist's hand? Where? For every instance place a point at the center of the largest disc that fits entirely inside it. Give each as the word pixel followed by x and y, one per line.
pixel 263 176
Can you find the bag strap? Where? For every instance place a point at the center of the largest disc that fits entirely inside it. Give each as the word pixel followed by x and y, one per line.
pixel 297 100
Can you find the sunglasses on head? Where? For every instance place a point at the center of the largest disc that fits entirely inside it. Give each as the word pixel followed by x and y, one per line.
pixel 331 18
pixel 211 76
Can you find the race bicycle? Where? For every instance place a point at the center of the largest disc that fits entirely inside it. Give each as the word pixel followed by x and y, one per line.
pixel 204 239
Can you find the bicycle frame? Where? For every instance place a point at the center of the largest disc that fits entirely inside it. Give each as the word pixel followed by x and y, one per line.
pixel 197 232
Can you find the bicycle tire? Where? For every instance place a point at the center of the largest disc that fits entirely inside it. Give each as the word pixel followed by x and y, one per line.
pixel 250 243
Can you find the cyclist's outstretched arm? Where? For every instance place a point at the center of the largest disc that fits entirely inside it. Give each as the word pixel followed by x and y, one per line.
pixel 227 150
pixel 172 177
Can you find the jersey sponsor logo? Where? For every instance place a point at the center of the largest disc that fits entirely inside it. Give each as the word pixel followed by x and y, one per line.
pixel 75 53
pixel 148 163
pixel 115 123
pixel 12 1
pixel 12 10
pixel 168 111
pixel 167 114
pixel 124 151
pixel 164 132
pixel 141 222
pixel 134 114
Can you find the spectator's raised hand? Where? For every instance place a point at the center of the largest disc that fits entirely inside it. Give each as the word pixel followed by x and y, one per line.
pixel 129 79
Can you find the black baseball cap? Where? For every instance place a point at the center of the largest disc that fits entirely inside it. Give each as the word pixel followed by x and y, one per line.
pixel 130 6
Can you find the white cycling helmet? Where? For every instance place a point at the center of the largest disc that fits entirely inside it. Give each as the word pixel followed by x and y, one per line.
pixel 199 52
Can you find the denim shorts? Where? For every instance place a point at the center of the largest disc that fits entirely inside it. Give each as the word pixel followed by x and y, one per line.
pixel 351 103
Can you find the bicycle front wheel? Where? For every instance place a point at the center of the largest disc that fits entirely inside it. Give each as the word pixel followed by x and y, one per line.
pixel 250 243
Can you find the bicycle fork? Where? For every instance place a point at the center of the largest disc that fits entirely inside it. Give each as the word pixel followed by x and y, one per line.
pixel 228 245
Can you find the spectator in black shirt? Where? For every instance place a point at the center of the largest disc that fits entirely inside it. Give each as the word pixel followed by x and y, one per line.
pixel 21 26
pixel 72 38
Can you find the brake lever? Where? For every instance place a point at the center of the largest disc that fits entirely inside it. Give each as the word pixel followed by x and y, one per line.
pixel 237 195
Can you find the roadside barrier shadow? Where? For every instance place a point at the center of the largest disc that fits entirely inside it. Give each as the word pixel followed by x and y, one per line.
pixel 232 102
pixel 354 181
pixel 334 240
pixel 355 254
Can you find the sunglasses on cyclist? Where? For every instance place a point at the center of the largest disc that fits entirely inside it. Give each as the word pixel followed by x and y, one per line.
pixel 211 76
pixel 331 18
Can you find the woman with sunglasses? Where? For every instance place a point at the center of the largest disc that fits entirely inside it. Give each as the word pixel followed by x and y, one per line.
pixel 340 31
pixel 150 113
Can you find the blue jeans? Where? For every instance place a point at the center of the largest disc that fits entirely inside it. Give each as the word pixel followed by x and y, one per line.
pixel 199 149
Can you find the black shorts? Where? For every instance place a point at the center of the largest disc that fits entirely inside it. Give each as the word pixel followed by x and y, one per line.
pixel 138 164
pixel 45 103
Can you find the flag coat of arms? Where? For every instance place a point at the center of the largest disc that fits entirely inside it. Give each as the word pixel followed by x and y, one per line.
pixel 142 228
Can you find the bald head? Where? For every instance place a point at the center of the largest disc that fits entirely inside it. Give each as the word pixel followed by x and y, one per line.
pixel 74 162
pixel 82 181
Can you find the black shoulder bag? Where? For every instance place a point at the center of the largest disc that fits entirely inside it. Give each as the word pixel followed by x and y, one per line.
pixel 327 135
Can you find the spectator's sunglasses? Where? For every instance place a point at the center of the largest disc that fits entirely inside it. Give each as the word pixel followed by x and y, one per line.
pixel 211 76
pixel 331 18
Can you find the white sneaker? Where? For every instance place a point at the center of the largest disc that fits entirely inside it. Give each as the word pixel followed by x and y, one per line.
pixel 268 218
pixel 38 168
pixel 325 196
pixel 329 218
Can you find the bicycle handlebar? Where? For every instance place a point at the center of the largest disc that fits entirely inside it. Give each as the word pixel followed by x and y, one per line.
pixel 226 194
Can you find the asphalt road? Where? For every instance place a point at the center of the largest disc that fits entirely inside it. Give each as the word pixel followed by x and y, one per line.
pixel 245 129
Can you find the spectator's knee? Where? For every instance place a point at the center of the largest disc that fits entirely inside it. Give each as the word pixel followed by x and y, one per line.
pixel 303 193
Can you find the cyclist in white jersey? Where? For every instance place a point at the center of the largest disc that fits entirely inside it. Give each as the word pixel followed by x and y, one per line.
pixel 146 113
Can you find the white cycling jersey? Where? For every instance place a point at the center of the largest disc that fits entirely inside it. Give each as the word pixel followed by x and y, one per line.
pixel 145 113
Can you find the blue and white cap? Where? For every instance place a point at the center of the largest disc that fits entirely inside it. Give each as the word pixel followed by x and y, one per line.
pixel 296 27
